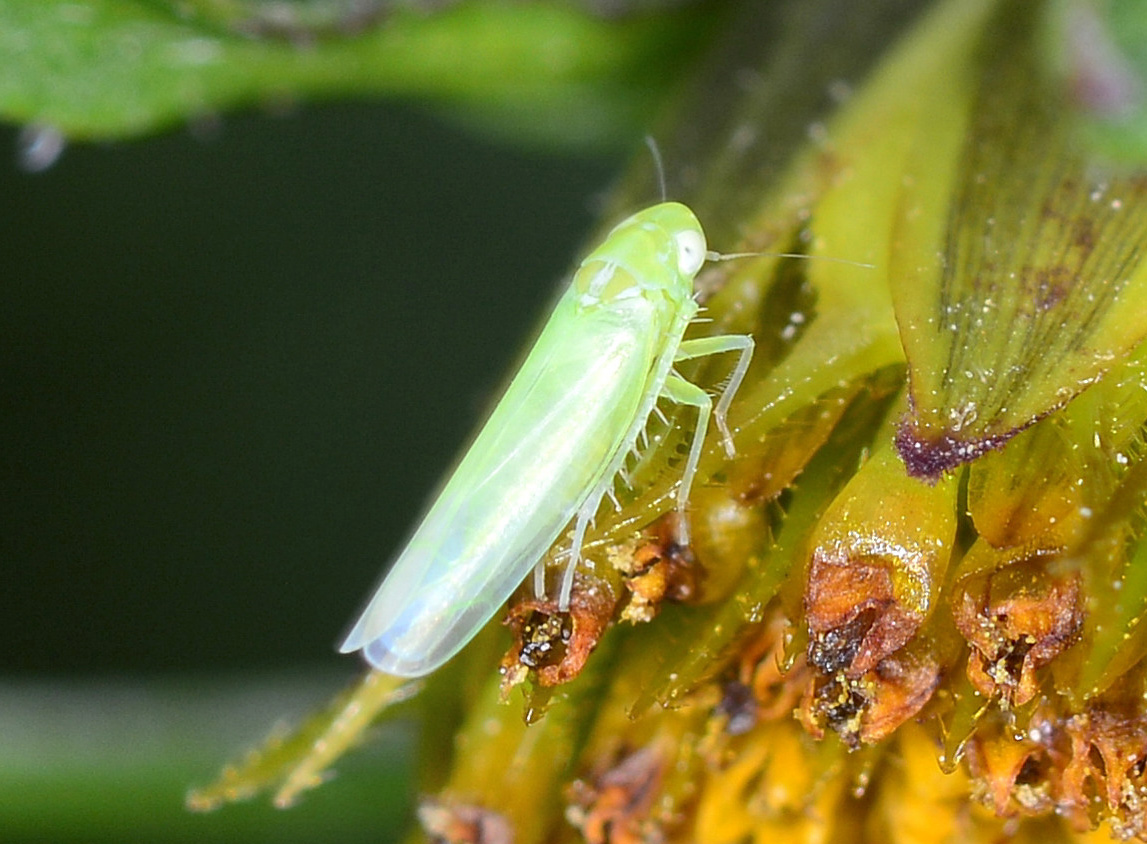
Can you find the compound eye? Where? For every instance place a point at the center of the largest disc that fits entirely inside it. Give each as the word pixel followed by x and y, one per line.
pixel 690 251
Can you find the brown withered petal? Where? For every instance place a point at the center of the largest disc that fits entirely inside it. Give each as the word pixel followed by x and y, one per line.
pixel 1017 620
pixel 460 824
pixel 776 689
pixel 613 807
pixel 1008 771
pixel 552 645
pixel 1108 756
pixel 901 686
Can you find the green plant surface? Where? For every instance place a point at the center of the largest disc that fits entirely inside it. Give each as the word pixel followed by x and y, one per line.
pixel 546 71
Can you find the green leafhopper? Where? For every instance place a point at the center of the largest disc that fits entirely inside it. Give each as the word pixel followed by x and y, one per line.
pixel 553 445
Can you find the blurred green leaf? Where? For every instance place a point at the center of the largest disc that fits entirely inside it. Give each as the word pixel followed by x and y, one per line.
pixel 111 761
pixel 1098 51
pixel 546 72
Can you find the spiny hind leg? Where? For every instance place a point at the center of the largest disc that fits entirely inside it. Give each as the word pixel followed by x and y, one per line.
pixel 584 517
pixel 681 391
pixel 540 579
pixel 704 346
pixel 582 522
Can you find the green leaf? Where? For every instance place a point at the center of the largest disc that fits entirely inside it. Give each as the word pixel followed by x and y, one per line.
pixel 545 71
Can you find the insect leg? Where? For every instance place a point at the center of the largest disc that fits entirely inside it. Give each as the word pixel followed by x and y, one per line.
pixel 681 391
pixel 540 578
pixel 584 516
pixel 702 346
pixel 613 497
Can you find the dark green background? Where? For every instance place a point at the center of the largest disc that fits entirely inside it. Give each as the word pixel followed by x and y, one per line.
pixel 233 367
pixel 234 362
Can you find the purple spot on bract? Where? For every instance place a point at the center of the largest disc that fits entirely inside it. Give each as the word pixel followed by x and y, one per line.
pixel 928 458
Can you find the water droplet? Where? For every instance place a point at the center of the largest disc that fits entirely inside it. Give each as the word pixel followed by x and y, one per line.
pixel 38 147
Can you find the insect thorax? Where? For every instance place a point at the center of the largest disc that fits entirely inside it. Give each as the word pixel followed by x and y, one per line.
pixel 603 282
pixel 638 259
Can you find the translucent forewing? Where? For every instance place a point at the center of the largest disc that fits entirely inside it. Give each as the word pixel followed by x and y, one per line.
pixel 546 445
pixel 550 449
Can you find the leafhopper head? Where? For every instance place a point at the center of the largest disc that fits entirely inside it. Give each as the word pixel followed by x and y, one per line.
pixel 657 250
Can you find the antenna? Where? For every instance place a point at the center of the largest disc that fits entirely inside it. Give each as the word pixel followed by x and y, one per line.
pixel 657 163
pixel 655 151
pixel 732 256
